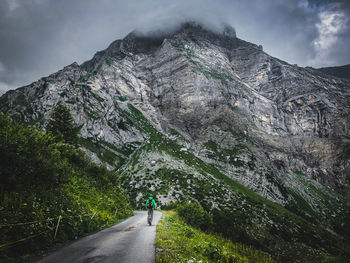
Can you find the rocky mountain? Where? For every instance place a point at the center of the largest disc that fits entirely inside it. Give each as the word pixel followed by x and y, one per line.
pixel 202 115
pixel 340 71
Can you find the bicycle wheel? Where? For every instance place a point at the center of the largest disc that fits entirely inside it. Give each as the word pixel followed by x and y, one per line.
pixel 149 217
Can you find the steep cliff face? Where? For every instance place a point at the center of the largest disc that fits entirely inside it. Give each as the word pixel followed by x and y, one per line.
pixel 253 116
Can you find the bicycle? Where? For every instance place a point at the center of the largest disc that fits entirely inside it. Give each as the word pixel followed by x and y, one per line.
pixel 150 216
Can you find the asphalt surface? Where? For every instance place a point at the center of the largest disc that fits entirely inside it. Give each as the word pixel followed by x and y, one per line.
pixel 131 241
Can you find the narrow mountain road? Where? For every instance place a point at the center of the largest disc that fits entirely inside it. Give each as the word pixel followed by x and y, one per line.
pixel 131 241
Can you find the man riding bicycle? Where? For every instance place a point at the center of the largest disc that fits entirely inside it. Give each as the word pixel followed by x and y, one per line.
pixel 150 206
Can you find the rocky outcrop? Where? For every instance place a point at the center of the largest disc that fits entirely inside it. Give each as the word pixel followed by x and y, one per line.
pixel 254 117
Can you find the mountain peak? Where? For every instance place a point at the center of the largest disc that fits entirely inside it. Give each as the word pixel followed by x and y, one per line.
pixel 196 27
pixel 144 41
pixel 188 27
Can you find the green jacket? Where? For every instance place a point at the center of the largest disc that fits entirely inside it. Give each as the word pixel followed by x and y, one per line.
pixel 153 202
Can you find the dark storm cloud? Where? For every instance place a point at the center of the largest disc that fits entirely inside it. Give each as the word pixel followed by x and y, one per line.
pixel 39 37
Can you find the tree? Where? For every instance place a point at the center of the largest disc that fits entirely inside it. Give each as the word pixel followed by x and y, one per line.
pixel 62 126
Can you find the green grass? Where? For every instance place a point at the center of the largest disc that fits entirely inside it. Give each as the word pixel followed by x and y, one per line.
pixel 319 204
pixel 109 61
pixel 300 206
pixel 178 45
pixel 97 97
pixel 126 150
pixel 198 65
pixel 106 151
pixel 178 135
pixel 182 243
pixel 86 77
pixel 109 153
pixel 122 98
pixel 91 114
pixel 233 154
pixel 238 135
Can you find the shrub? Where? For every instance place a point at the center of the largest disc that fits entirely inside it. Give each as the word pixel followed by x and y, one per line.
pixel 195 215
pixel 170 206
pixel 41 180
pixel 61 125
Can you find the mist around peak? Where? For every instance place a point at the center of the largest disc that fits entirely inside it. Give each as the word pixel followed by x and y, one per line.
pixel 168 28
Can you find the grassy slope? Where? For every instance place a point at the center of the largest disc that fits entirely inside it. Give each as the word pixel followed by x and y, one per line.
pixel 179 242
pixel 42 180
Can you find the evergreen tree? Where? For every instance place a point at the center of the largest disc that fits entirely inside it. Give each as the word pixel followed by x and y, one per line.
pixel 62 126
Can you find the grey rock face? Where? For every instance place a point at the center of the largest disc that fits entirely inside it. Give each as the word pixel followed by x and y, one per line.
pixel 254 117
pixel 340 71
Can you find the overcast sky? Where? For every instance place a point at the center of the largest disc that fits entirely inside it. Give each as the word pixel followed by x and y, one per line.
pixel 39 37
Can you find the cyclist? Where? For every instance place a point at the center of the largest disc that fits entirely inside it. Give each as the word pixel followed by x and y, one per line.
pixel 150 206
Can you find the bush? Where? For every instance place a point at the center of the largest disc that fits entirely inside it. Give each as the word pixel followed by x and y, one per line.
pixel 61 125
pixel 195 215
pixel 42 179
pixel 170 206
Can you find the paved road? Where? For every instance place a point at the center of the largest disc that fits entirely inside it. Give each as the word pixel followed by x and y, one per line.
pixel 131 241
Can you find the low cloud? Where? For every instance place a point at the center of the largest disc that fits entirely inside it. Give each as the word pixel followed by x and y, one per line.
pixel 5 87
pixel 330 29
pixel 330 26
